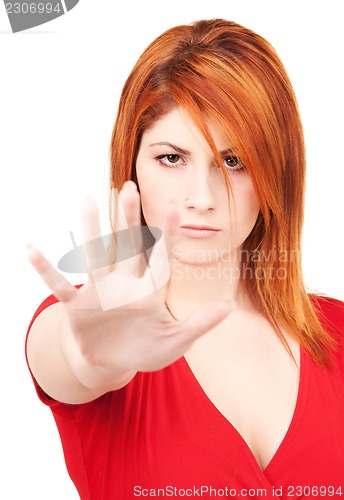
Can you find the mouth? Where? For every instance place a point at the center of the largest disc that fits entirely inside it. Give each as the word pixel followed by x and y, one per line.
pixel 199 231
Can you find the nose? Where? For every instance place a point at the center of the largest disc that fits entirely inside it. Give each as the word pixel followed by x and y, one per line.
pixel 200 194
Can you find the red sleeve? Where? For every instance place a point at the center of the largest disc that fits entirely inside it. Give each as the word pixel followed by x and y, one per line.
pixel 330 312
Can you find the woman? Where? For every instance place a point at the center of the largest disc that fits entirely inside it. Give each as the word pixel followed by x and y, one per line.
pixel 228 380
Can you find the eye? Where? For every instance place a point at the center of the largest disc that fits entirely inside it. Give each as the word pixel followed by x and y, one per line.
pixel 172 158
pixel 169 160
pixel 233 163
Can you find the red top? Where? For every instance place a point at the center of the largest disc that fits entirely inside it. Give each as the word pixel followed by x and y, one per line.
pixel 161 436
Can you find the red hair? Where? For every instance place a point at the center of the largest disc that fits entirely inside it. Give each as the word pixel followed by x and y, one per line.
pixel 218 70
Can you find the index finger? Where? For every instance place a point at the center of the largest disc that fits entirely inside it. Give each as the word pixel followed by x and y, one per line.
pixel 57 283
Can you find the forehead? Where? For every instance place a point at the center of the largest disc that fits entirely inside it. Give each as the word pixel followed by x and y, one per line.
pixel 177 127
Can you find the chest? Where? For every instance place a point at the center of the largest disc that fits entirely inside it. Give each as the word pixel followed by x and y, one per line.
pixel 251 379
pixel 163 429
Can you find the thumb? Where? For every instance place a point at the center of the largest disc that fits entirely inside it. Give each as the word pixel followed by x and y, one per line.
pixel 205 318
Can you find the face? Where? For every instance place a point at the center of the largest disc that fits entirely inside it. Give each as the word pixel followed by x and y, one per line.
pixel 175 162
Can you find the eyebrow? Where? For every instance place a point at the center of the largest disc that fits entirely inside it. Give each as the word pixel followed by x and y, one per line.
pixel 172 146
pixel 178 149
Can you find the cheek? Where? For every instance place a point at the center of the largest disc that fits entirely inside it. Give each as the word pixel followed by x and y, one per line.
pixel 246 203
pixel 153 195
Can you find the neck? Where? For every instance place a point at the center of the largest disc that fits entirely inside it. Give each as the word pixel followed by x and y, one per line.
pixel 193 284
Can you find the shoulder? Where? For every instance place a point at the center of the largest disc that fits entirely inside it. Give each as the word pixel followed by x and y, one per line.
pixel 330 312
pixel 328 308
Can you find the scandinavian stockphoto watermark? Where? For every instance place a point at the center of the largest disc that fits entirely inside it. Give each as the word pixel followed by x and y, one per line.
pixel 25 15
pixel 109 258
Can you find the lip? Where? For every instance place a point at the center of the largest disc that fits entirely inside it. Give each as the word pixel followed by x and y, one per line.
pixel 199 227
pixel 199 230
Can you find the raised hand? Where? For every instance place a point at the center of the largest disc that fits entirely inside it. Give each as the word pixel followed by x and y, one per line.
pixel 110 330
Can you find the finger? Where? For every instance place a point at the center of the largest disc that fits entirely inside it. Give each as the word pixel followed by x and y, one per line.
pixel 163 250
pixel 129 237
pixel 121 216
pixel 94 247
pixel 57 283
pixel 204 319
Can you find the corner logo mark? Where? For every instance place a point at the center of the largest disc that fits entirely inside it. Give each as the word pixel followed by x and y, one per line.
pixel 25 15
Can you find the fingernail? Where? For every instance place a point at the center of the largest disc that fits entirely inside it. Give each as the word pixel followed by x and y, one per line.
pixel 130 184
pixel 30 250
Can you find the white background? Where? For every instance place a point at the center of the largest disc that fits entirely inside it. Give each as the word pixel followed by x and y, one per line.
pixel 59 90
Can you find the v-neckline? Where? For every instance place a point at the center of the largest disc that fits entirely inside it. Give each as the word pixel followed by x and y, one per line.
pixel 298 410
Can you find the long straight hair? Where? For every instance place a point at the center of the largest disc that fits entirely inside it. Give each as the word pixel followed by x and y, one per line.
pixel 221 71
